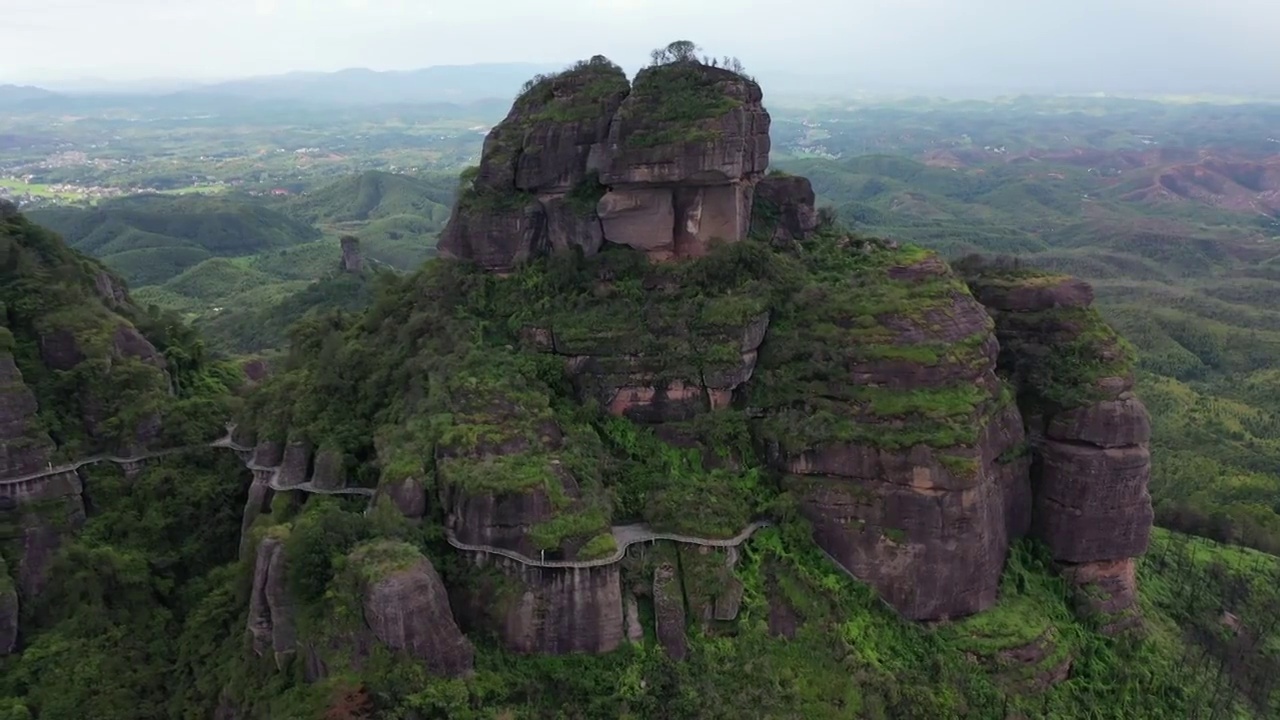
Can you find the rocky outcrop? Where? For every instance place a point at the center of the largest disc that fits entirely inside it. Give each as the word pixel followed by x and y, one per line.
pixel 24 446
pixel 1090 434
pixel 271 610
pixel 920 507
pixel 8 612
pixel 295 463
pixel 42 516
pixel 665 166
pixel 408 496
pixel 668 611
pixel 352 261
pixel 329 472
pixel 407 609
pixel 545 610
pixel 783 211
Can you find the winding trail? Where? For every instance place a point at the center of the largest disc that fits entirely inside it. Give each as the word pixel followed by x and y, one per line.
pixel 224 442
pixel 624 535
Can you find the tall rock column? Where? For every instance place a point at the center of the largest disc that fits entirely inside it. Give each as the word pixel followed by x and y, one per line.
pixel 895 435
pixel 1089 433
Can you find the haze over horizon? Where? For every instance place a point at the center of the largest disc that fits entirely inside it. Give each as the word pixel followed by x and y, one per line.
pixel 1156 46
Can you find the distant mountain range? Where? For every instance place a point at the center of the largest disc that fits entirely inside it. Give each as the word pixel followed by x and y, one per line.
pixel 458 84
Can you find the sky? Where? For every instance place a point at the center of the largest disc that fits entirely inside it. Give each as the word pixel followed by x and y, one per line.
pixel 1047 45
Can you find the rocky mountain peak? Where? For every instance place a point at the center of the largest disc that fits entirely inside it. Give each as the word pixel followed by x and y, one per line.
pixel 666 165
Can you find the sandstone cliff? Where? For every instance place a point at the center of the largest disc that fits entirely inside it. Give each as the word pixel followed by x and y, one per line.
pixel 544 610
pixel 899 438
pixel 389 595
pixel 407 609
pixel 600 364
pixel 665 165
pixel 1089 432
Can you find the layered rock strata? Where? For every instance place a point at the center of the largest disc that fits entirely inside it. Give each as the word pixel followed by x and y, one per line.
pixel 1090 434
pixel 406 608
pixel 546 610
pixel 902 447
pixel 666 166
pixel 271 608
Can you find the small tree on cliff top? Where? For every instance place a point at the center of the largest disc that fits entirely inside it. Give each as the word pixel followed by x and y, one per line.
pixel 678 51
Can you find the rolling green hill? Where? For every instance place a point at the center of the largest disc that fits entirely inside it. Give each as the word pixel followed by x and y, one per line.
pixel 376 195
pixel 149 239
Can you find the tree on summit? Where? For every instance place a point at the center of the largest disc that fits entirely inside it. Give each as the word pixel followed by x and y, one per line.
pixel 678 51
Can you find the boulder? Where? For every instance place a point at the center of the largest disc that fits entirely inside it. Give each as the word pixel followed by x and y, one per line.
pixel 59 350
pixel 409 496
pixel 501 519
pixel 711 213
pixel 1035 294
pixel 407 608
pixel 784 208
pixel 929 538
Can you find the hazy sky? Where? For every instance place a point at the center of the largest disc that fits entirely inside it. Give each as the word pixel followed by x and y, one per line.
pixel 1046 44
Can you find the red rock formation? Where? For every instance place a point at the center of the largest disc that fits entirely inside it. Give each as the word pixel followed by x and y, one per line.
pixel 1090 434
pixel 927 522
pixel 584 158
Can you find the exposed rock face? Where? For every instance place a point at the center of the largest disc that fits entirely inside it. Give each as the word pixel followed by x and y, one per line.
pixel 329 473
pixel 532 191
pixel 668 611
pixel 545 610
pixel 128 342
pixel 784 208
pixel 407 609
pixel 352 262
pixel 24 447
pixel 45 513
pixel 927 524
pixel 59 350
pixel 110 290
pixel 932 540
pixel 271 611
pixel 493 237
pixel 670 381
pixel 1090 434
pixel 584 158
pixel 293 468
pixel 409 496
